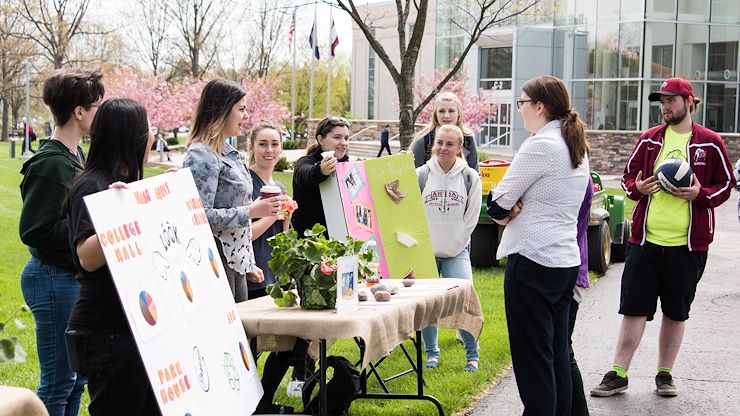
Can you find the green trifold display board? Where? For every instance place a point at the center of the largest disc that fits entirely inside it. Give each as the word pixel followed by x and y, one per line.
pixel 407 217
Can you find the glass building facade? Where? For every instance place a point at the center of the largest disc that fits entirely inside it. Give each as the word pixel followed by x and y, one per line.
pixel 612 53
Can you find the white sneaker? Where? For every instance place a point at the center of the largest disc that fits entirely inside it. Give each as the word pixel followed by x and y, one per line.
pixel 295 388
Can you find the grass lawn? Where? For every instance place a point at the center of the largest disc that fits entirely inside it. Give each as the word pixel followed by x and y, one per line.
pixel 455 388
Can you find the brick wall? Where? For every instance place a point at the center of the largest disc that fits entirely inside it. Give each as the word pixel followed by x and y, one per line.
pixel 611 149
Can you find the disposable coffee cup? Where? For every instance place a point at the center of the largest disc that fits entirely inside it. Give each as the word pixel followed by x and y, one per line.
pixel 268 191
pixel 326 154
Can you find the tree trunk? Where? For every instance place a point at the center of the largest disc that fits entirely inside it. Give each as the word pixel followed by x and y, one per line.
pixel 5 121
pixel 406 113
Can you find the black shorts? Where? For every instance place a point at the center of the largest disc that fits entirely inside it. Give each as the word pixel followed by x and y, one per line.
pixel 669 273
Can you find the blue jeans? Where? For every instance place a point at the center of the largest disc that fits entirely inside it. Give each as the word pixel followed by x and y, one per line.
pixel 51 293
pixel 454 267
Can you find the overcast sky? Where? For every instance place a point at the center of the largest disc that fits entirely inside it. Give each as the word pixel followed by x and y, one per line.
pixel 110 11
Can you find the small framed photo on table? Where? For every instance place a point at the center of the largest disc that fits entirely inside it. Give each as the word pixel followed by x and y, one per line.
pixel 347 297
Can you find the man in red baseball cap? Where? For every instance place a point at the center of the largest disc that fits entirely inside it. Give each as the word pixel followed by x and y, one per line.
pixel 673 86
pixel 671 232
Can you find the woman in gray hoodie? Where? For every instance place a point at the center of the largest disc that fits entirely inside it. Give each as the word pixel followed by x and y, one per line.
pixel 450 191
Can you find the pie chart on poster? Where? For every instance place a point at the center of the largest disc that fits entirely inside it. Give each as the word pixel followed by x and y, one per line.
pixel 245 356
pixel 186 286
pixel 212 259
pixel 148 308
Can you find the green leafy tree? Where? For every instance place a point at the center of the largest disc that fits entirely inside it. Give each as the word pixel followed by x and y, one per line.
pixel 340 90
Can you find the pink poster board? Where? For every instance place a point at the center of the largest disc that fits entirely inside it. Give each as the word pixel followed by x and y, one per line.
pixel 359 208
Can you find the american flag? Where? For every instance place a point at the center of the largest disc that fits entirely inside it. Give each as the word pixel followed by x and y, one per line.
pixel 291 33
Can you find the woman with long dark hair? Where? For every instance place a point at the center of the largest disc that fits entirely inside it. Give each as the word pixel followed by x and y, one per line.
pixel 332 143
pixel 540 242
pixel 99 340
pixel 224 183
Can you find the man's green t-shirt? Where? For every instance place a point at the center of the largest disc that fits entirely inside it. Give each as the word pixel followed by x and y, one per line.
pixel 668 216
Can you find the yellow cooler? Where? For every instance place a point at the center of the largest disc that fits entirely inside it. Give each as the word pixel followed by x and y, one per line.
pixel 491 172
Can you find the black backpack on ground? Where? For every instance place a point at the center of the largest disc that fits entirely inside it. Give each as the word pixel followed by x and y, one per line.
pixel 339 390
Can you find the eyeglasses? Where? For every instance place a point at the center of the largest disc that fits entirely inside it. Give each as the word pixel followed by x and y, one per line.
pixel 96 105
pixel 519 103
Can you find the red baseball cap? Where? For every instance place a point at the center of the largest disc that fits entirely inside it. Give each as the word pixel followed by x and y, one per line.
pixel 673 86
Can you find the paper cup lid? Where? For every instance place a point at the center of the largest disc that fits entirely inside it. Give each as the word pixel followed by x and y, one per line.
pixel 327 153
pixel 270 189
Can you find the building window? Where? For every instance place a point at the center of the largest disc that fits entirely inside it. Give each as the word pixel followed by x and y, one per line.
pixel 691 51
pixel 723 53
pixel 720 107
pixel 632 9
pixel 449 35
pixel 628 105
pixel 607 51
pixel 496 130
pixel 495 68
pixel 693 10
pixel 447 51
pixel 725 11
pixel 605 104
pixel 371 81
pixel 661 9
pixel 608 10
pixel 659 39
pixel 629 50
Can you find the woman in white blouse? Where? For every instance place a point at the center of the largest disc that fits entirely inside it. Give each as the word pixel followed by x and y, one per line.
pixel 538 199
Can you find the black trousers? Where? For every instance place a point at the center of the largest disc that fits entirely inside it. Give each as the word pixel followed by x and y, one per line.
pixel 537 302
pixel 578 403
pixel 116 378
pixel 277 365
pixel 384 146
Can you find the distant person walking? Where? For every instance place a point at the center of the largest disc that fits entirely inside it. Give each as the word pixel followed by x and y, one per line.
pixel 671 233
pixel 384 141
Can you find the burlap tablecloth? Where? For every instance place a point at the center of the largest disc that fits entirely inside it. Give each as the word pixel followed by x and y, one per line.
pixel 449 303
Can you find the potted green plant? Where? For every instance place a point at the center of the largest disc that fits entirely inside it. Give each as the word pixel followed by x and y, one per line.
pixel 309 264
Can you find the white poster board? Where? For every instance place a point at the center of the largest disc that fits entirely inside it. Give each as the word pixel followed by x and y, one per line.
pixel 168 274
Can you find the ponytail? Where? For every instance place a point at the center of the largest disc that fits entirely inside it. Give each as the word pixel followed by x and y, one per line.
pixel 574 134
pixel 553 94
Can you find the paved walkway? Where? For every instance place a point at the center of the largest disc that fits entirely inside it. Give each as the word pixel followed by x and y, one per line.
pixel 707 371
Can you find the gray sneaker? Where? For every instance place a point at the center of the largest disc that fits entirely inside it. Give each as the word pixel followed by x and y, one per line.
pixel 664 384
pixel 611 384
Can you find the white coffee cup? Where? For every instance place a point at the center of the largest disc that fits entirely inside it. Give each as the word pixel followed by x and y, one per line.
pixel 268 191
pixel 326 154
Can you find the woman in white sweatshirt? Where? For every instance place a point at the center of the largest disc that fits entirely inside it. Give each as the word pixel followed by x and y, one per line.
pixel 450 191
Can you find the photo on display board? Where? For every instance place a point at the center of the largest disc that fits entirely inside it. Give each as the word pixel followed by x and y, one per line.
pixel 363 216
pixel 354 183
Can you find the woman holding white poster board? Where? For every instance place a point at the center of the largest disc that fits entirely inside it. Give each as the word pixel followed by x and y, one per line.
pixel 99 341
pixel 224 183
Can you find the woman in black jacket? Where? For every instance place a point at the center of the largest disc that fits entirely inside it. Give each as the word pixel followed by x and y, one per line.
pixel 332 142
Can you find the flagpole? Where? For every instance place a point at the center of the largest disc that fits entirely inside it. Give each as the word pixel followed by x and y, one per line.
pixel 313 64
pixel 292 86
pixel 331 58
